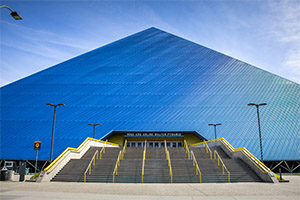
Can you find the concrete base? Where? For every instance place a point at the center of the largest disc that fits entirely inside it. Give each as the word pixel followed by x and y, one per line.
pixel 205 191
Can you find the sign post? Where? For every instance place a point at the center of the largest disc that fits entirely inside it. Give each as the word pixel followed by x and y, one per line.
pixel 37 147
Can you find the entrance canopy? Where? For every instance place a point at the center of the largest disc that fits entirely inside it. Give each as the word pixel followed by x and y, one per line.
pixel 135 137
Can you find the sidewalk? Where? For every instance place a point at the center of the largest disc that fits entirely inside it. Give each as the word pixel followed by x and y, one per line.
pixel 207 191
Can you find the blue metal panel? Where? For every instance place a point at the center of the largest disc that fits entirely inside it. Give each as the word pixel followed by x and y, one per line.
pixel 151 80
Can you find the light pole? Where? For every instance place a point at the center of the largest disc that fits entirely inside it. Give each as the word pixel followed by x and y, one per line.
pixel 14 14
pixel 215 127
pixel 259 131
pixel 94 125
pixel 52 139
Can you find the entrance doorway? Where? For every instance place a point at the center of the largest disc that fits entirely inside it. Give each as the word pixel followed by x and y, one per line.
pixel 155 144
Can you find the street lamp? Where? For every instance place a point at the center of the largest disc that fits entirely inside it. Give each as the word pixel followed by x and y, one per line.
pixel 259 131
pixel 14 14
pixel 94 128
pixel 54 105
pixel 215 127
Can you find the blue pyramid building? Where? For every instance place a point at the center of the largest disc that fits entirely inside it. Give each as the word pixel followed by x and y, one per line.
pixel 155 81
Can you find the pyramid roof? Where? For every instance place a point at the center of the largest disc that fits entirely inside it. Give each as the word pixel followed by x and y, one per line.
pixel 151 80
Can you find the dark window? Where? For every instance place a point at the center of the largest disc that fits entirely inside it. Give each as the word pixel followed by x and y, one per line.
pixel 174 144
pixel 156 144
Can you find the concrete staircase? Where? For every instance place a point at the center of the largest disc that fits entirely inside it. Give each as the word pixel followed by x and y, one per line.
pixel 101 172
pixel 156 167
pixel 130 168
pixel 212 173
pixel 183 169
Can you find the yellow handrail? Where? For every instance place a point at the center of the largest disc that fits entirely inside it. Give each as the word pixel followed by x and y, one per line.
pixel 261 166
pixel 59 159
pixel 89 168
pixel 223 165
pixel 187 149
pixel 125 145
pixel 124 149
pixel 207 149
pixel 144 158
pixel 169 161
pixel 102 152
pixel 116 166
pixel 165 146
pixel 195 163
pixel 250 156
pixel 170 166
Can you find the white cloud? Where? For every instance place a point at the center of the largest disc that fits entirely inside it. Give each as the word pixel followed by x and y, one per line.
pixel 286 29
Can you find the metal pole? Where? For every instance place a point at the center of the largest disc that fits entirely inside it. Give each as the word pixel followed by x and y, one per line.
pixel 36 158
pixel 94 131
pixel 280 175
pixel 215 126
pixel 260 142
pixel 52 139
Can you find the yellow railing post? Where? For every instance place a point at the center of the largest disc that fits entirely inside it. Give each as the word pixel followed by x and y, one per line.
pixel 207 149
pixel 200 176
pixel 124 149
pixel 223 165
pixel 125 145
pixel 115 172
pixel 187 149
pixel 261 166
pixel 198 172
pixel 89 167
pixel 144 158
pixel 166 148
pixel 169 161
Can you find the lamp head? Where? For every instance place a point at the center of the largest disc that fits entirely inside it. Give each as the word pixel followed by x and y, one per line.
pixel 262 104
pixel 15 15
pixel 94 124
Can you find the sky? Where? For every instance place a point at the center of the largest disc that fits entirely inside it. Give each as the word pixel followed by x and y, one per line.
pixel 264 33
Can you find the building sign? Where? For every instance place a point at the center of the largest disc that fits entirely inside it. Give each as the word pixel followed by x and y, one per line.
pixel 153 134
pixel 37 145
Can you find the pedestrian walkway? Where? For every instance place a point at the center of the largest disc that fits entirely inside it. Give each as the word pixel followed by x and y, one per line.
pixel 109 191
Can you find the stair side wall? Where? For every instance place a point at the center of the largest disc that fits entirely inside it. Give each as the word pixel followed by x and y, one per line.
pixel 266 177
pixel 46 177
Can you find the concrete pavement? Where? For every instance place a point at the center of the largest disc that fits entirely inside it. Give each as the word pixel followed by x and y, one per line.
pixel 207 191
